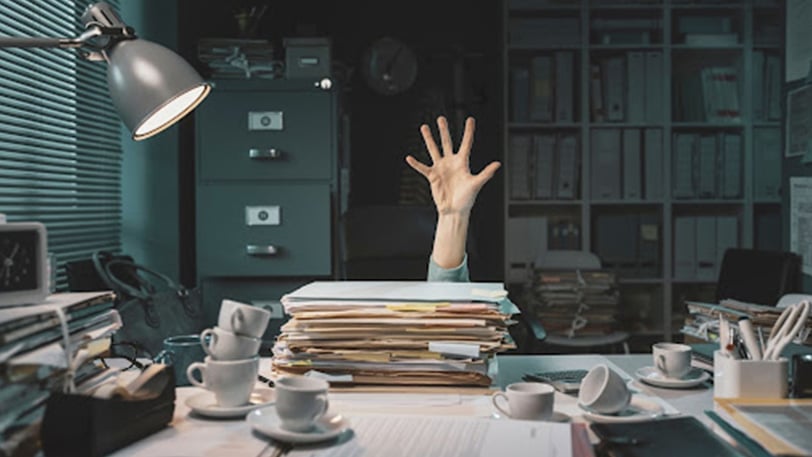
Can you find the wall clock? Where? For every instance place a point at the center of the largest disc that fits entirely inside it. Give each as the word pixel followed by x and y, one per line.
pixel 389 66
pixel 23 263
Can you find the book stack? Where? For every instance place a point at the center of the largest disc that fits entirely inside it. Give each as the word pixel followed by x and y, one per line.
pixel 229 58
pixel 394 333
pixel 576 302
pixel 33 357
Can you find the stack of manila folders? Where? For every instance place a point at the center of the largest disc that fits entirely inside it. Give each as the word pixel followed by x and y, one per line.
pixel 395 332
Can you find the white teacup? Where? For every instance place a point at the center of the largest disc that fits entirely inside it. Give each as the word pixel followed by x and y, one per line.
pixel 300 401
pixel 673 360
pixel 242 318
pixel 526 401
pixel 604 391
pixel 231 381
pixel 221 344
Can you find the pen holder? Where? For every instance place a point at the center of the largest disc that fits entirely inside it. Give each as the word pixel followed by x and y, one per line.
pixel 745 378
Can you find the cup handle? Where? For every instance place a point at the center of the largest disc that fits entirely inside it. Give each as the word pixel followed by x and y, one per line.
pixel 494 399
pixel 660 362
pixel 196 366
pixel 212 337
pixel 236 320
pixel 325 404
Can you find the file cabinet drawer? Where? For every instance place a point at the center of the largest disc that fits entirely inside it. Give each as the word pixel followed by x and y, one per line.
pixel 264 230
pixel 265 135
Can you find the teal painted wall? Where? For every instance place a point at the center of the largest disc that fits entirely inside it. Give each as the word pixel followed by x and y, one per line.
pixel 150 190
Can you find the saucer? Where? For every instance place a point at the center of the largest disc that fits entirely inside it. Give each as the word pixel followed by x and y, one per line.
pixel 266 421
pixel 651 375
pixel 556 417
pixel 205 404
pixel 641 408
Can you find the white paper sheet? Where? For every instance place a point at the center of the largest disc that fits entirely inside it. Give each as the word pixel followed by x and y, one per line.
pixel 800 220
pixel 391 435
pixel 799 122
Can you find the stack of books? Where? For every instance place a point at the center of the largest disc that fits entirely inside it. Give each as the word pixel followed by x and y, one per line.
pixel 576 302
pixel 33 357
pixel 229 58
pixel 395 333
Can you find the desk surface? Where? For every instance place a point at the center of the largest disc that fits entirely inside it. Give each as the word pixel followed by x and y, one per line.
pixel 192 435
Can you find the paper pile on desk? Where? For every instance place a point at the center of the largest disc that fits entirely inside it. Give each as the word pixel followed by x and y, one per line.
pixel 400 332
pixel 703 318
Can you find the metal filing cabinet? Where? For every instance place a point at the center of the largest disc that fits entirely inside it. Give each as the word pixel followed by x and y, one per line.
pixel 267 161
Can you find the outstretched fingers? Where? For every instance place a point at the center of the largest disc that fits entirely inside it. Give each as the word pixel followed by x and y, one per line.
pixel 445 136
pixel 468 137
pixel 486 174
pixel 418 166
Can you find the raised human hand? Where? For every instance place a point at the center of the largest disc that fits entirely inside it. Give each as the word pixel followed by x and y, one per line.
pixel 453 187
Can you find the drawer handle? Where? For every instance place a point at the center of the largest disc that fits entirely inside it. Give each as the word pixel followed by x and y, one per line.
pixel 260 250
pixel 264 154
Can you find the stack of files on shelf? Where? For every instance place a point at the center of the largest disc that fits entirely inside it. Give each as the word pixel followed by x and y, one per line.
pixel 627 87
pixel 543 89
pixel 32 356
pixel 576 302
pixel 231 58
pixel 709 95
pixel 708 165
pixel 703 318
pixel 395 332
pixel 628 244
pixel 700 243
pixel 543 166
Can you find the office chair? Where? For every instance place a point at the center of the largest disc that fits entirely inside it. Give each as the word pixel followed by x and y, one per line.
pixel 756 276
pixel 570 260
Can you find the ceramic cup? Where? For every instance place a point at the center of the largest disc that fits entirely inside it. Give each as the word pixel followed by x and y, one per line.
pixel 526 401
pixel 672 360
pixel 243 319
pixel 221 344
pixel 604 391
pixel 180 351
pixel 300 401
pixel 231 381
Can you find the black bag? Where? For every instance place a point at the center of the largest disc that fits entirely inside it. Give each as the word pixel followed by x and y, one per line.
pixel 151 310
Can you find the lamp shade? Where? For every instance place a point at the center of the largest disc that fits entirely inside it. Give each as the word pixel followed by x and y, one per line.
pixel 151 86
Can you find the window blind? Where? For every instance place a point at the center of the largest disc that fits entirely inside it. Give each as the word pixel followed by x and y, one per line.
pixel 60 150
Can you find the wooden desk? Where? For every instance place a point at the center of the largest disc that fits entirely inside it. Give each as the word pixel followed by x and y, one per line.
pixel 190 435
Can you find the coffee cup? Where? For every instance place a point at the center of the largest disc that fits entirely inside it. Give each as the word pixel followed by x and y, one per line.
pixel 603 391
pixel 180 351
pixel 526 401
pixel 231 381
pixel 300 401
pixel 243 319
pixel 221 344
pixel 672 360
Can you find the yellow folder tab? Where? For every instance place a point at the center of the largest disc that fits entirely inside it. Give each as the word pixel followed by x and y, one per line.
pixel 423 307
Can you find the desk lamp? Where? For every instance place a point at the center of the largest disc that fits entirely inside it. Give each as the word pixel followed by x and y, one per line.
pixel 151 86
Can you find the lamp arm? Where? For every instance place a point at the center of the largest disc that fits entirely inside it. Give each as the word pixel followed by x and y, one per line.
pixel 84 39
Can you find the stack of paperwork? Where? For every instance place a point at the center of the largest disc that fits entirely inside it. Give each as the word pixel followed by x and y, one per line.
pixel 395 332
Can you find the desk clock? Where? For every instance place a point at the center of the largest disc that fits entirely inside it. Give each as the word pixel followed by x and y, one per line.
pixel 23 263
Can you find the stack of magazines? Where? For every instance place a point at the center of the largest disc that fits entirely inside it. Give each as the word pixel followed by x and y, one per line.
pixel 33 357
pixel 229 58
pixel 576 302
pixel 395 333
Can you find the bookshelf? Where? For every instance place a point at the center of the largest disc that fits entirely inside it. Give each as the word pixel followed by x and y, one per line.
pixel 648 132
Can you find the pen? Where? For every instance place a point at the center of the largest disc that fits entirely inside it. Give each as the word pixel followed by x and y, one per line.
pixel 749 337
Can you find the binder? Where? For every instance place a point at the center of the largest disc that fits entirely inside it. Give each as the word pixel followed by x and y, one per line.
pixel 596 93
pixel 759 93
pixel 766 163
pixel 519 161
pixel 544 148
pixel 631 164
pixel 706 255
pixel 520 93
pixel 605 164
pixel 567 179
pixel 773 90
pixel 653 151
pixel 684 144
pixel 648 251
pixel 564 81
pixel 706 166
pixel 615 84
pixel 731 164
pixel 685 247
pixel 541 89
pixel 635 102
pixel 727 236
pixel 653 87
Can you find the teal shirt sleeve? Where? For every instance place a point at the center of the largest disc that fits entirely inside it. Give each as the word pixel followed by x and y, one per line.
pixel 456 274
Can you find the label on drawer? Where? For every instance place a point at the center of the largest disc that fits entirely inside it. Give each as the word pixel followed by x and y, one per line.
pixel 262 215
pixel 265 120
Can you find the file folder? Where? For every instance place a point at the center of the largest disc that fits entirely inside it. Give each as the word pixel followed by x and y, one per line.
pixel 605 164
pixel 564 83
pixel 631 164
pixel 544 147
pixel 567 179
pixel 685 247
pixel 653 151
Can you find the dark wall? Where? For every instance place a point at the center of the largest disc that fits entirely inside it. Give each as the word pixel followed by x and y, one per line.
pixel 384 128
